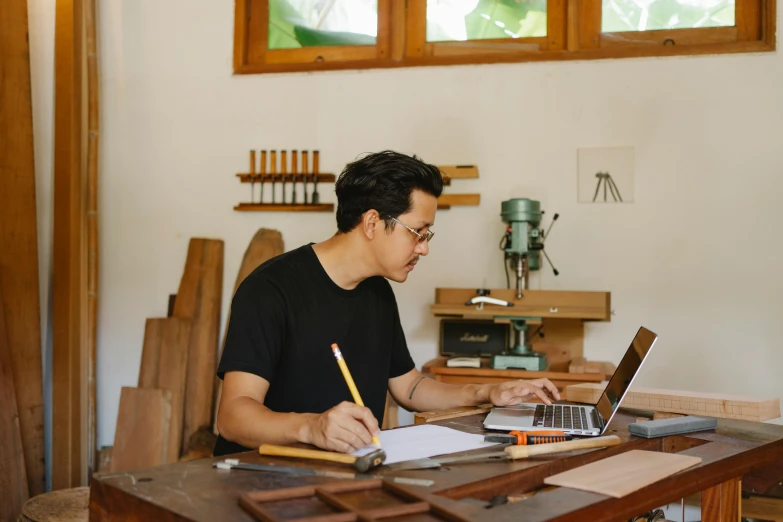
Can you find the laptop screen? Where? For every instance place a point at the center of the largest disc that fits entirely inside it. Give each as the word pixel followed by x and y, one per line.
pixel 626 371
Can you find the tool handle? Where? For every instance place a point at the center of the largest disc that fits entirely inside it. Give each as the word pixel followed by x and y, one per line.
pixel 521 452
pixel 263 163
pixel 294 162
pixel 315 162
pixel 273 162
pixel 283 162
pixel 288 451
pixel 252 164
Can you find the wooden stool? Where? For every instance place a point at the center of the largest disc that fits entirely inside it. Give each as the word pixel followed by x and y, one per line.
pixel 64 505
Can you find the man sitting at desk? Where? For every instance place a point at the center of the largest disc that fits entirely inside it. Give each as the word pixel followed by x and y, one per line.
pixel 281 383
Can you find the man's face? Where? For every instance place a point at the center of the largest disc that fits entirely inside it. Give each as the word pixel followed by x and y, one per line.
pixel 400 248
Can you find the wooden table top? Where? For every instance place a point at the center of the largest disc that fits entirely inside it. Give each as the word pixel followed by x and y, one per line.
pixel 194 491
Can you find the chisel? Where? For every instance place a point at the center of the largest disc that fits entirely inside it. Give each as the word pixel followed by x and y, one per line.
pixel 305 172
pixel 294 170
pixel 236 464
pixel 261 175
pixel 252 175
pixel 283 169
pixel 315 178
pixel 273 170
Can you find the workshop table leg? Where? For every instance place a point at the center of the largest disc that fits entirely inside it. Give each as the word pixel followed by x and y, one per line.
pixel 721 503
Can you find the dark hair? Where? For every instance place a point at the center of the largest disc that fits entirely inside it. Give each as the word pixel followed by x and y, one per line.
pixel 382 181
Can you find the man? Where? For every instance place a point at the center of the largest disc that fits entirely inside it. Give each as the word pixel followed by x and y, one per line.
pixel 281 382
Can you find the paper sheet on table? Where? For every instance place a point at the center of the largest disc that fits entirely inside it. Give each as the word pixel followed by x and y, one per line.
pixel 425 440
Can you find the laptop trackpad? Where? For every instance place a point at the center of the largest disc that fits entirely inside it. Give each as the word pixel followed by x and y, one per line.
pixel 519 416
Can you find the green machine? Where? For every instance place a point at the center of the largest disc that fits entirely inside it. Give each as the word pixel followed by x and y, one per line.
pixel 522 244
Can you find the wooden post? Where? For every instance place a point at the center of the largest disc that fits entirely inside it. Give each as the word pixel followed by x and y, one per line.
pixel 70 343
pixel 721 503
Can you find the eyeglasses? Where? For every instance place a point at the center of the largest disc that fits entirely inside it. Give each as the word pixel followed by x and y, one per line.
pixel 420 238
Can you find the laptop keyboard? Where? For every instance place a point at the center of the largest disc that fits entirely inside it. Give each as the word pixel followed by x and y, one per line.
pixel 561 416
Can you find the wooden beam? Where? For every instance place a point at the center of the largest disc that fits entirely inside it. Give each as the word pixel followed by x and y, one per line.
pixel 686 402
pixel 19 235
pixel 69 294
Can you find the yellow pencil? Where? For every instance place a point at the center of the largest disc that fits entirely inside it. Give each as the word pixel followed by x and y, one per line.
pixel 351 385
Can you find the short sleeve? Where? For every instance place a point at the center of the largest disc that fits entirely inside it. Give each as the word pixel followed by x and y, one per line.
pixel 256 329
pixel 401 360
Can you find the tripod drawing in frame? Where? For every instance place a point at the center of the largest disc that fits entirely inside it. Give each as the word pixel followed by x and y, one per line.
pixel 606 179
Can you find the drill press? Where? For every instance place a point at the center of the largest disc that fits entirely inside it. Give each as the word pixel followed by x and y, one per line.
pixel 523 244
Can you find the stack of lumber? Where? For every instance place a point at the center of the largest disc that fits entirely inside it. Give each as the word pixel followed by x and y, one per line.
pixel 170 415
pixel 685 402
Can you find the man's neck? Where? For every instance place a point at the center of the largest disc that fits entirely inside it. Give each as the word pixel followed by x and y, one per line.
pixel 344 260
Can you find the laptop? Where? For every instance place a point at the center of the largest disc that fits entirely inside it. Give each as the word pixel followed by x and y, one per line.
pixel 575 419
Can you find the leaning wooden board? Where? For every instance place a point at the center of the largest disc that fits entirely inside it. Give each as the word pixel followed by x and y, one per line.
pixel 13 477
pixel 199 299
pixel 141 439
pixel 686 402
pixel 164 362
pixel 19 235
pixel 619 475
pixel 265 245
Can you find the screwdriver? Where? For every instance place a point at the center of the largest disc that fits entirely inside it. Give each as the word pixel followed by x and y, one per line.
pixel 521 438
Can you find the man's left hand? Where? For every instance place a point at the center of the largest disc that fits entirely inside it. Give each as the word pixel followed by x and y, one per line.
pixel 514 392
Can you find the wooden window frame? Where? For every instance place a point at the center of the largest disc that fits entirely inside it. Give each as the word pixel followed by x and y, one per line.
pixel 573 33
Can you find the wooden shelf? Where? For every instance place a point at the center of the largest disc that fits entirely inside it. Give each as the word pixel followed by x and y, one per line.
pixel 283 207
pixel 446 201
pixel 459 171
pixel 278 177
pixel 534 303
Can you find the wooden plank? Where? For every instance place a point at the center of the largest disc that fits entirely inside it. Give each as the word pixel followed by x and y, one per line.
pixel 685 402
pixel 69 285
pixel 198 299
pixel 19 235
pixel 534 303
pixel 13 476
pixel 763 508
pixel 264 245
pixel 620 475
pixel 164 361
pixel 141 438
pixel 459 171
pixel 424 417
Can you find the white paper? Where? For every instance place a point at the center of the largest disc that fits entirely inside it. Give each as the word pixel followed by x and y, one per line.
pixel 425 440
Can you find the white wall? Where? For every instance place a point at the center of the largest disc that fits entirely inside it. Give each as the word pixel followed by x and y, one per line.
pixel 694 258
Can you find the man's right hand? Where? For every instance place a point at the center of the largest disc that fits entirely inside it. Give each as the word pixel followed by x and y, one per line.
pixel 346 427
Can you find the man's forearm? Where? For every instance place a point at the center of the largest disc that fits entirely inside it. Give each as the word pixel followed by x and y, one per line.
pixel 428 395
pixel 249 423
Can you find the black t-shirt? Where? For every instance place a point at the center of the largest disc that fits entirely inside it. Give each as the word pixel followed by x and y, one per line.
pixel 284 318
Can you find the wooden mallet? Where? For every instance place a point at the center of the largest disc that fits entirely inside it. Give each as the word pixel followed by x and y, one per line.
pixel 362 464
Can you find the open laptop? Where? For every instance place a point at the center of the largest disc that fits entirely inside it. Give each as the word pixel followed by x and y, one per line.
pixel 578 419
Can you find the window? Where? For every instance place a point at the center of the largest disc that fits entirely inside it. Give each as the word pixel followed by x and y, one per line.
pixel 306 35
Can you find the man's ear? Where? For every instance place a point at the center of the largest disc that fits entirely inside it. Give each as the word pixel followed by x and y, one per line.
pixel 371 221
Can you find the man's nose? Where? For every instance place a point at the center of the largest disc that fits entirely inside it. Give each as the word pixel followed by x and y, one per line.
pixel 422 248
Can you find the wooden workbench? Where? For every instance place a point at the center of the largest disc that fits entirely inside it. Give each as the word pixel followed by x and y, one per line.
pixel 194 491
